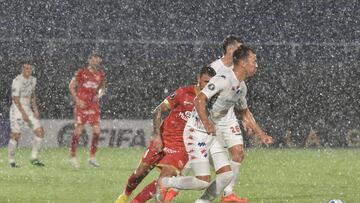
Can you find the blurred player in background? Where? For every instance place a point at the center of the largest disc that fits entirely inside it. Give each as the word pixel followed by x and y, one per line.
pixel 86 88
pixel 24 111
pixel 225 91
pixel 166 149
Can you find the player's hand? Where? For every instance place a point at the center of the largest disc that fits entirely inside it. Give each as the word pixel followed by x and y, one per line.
pixel 25 117
pixel 157 142
pixel 210 128
pixel 266 139
pixel 37 114
pixel 80 103
pixel 96 99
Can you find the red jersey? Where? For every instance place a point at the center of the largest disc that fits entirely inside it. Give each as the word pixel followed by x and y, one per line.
pixel 88 83
pixel 181 104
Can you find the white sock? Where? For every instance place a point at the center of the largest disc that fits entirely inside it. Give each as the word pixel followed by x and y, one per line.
pixel 36 147
pixel 217 186
pixel 235 167
pixel 184 183
pixel 186 170
pixel 12 150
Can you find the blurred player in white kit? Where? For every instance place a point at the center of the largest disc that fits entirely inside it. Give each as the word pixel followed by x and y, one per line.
pixel 24 112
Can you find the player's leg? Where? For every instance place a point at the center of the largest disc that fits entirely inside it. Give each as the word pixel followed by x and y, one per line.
pixel 233 139
pixel 149 160
pixel 223 171
pixel 74 142
pixel 14 137
pixel 15 125
pixel 170 165
pixel 37 141
pixel 94 144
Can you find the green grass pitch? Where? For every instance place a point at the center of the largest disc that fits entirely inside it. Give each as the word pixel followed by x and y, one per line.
pixel 267 175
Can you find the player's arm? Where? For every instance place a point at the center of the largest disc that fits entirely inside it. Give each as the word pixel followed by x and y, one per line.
pixel 200 106
pixel 249 122
pixel 73 91
pixel 100 91
pixel 34 105
pixel 157 114
pixel 17 103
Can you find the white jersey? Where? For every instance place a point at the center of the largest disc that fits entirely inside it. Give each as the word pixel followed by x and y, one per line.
pixel 225 92
pixel 220 67
pixel 23 88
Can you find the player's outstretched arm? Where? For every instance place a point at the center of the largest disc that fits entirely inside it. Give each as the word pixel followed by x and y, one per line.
pixel 250 124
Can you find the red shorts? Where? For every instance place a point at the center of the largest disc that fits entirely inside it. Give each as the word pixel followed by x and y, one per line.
pixel 151 156
pixel 174 158
pixel 88 115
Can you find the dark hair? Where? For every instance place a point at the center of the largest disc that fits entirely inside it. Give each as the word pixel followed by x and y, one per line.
pixel 94 55
pixel 207 70
pixel 231 40
pixel 242 53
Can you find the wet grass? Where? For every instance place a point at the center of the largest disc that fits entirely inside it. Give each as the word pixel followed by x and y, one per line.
pixel 267 175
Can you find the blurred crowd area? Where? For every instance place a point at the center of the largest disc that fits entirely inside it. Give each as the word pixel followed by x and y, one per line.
pixel 308 57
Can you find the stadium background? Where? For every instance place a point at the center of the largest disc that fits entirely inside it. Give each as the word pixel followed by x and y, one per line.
pixel 308 56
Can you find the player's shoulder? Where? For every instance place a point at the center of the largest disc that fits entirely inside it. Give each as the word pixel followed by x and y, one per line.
pixel 18 78
pixel 215 63
pixel 185 89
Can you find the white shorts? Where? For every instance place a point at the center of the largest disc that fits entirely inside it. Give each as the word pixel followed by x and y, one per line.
pixel 229 135
pixel 17 122
pixel 199 146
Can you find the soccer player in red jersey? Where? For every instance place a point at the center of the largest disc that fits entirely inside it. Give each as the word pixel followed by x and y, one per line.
pixel 86 89
pixel 166 149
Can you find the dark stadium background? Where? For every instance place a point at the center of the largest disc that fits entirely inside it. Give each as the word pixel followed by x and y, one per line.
pixel 308 56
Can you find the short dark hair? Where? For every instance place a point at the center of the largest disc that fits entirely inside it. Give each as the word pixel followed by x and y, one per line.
pixel 207 70
pixel 231 40
pixel 242 53
pixel 94 55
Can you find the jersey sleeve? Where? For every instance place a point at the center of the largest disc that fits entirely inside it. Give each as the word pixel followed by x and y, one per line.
pixel 172 100
pixel 215 85
pixel 15 88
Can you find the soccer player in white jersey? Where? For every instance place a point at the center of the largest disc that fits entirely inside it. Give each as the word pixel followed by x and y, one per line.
pixel 24 111
pixel 223 92
pixel 231 135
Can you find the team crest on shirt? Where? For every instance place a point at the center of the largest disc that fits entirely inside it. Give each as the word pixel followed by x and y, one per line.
pixel 172 96
pixel 211 86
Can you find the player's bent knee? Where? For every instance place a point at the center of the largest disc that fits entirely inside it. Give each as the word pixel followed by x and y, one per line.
pixel 40 132
pixel 15 136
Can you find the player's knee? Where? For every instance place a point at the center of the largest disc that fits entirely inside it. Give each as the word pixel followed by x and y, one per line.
pixel 225 177
pixel 238 154
pixel 40 132
pixel 15 136
pixel 168 171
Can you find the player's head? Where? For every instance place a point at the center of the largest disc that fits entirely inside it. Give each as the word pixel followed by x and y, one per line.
pixel 27 69
pixel 94 60
pixel 231 43
pixel 205 74
pixel 245 57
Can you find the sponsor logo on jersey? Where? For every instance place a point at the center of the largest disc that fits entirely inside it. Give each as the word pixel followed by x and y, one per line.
pixel 188 103
pixel 90 84
pixel 185 115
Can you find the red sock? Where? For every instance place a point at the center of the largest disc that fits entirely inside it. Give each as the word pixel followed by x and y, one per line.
pixel 73 146
pixel 135 179
pixel 147 193
pixel 94 144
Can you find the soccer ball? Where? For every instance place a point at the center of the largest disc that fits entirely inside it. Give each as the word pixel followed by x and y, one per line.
pixel 336 201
